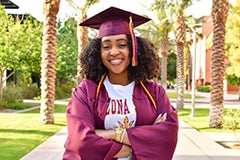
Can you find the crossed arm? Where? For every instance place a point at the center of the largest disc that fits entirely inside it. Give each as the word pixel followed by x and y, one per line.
pixel 126 147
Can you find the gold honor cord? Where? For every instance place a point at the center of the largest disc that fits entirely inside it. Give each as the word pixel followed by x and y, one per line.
pixel 144 87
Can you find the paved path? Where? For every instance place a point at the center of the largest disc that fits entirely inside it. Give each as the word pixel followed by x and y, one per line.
pixel 52 149
pixel 192 145
pixel 228 99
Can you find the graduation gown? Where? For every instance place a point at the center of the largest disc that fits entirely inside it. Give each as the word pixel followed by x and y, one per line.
pixel 85 113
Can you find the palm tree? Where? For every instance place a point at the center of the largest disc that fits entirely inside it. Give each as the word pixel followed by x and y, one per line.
pixel 158 33
pixel 180 33
pixel 219 15
pixel 82 32
pixel 48 72
pixel 164 27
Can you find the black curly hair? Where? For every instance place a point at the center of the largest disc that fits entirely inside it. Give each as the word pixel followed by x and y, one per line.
pixel 148 66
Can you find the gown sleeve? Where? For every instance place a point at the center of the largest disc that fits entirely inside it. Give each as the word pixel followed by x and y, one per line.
pixel 158 141
pixel 82 143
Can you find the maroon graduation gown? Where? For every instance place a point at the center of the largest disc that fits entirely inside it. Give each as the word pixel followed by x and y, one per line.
pixel 149 142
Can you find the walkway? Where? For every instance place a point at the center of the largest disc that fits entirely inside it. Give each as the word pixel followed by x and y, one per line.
pixel 192 145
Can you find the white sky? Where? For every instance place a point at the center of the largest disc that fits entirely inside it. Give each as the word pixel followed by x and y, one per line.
pixel 34 7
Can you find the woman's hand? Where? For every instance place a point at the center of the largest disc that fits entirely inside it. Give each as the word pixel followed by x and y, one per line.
pixel 110 135
pixel 124 152
pixel 160 118
pixel 106 134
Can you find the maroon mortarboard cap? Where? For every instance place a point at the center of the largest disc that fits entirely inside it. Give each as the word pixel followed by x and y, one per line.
pixel 114 21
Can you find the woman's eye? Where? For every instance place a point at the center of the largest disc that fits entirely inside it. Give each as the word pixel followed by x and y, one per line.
pixel 122 45
pixel 105 46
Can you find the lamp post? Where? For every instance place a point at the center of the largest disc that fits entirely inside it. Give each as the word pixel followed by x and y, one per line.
pixel 189 78
pixel 193 67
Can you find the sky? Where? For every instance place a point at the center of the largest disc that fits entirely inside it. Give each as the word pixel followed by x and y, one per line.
pixel 34 7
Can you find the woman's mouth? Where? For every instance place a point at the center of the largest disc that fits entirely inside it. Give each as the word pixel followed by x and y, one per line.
pixel 115 61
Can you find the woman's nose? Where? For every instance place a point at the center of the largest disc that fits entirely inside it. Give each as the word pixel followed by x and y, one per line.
pixel 114 51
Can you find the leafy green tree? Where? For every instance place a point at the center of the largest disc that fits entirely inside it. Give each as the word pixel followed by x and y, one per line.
pixel 232 45
pixel 6 25
pixel 20 45
pixel 67 51
pixel 179 7
pixel 164 27
pixel 171 68
pixel 31 36
pixel 82 32
pixel 33 39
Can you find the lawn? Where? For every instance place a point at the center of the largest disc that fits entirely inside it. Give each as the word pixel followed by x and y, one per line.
pixel 22 132
pixel 201 119
pixel 174 95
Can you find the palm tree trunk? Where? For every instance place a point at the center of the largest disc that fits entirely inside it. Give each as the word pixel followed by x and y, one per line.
pixel 48 66
pixel 82 36
pixel 180 40
pixel 164 52
pixel 219 15
pixel 180 77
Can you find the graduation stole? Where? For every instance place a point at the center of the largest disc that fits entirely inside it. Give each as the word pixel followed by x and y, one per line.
pixel 142 84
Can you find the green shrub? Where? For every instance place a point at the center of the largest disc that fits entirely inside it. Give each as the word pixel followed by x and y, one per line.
pixel 63 91
pixel 4 104
pixel 12 94
pixel 29 92
pixel 37 98
pixel 204 88
pixel 232 121
pixel 18 106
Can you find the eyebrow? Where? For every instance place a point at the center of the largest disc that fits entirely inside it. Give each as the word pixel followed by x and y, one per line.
pixel 120 39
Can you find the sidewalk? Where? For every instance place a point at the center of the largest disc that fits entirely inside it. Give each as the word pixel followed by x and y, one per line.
pixel 52 149
pixel 192 145
pixel 228 99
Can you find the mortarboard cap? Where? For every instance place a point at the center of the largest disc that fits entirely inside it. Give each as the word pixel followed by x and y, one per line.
pixel 114 21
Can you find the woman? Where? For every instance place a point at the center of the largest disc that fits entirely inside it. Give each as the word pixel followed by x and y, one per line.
pixel 117 112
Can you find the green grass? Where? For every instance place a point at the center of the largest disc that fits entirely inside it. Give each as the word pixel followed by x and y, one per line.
pixel 174 95
pixel 201 119
pixel 22 132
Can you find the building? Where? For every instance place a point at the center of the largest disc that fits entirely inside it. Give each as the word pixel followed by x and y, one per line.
pixel 9 4
pixel 203 55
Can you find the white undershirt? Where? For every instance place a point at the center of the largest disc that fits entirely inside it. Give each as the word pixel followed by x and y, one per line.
pixel 121 109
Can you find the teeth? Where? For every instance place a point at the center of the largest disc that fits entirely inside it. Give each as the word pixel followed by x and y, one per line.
pixel 115 61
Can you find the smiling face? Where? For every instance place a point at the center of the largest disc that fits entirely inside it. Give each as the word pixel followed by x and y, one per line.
pixel 115 56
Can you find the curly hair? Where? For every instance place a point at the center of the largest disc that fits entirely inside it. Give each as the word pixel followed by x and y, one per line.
pixel 148 66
